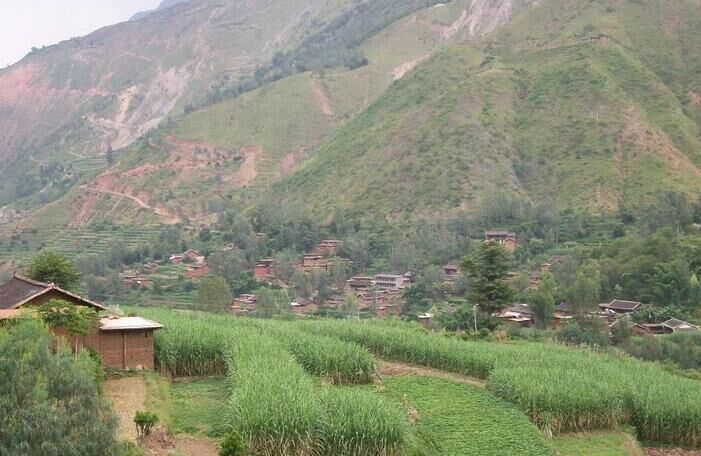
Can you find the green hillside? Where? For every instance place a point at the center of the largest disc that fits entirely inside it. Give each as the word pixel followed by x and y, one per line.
pixel 598 107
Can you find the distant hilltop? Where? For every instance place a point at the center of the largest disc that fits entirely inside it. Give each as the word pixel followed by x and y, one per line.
pixel 164 4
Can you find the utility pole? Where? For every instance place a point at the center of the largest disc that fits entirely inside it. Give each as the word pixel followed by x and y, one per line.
pixel 474 314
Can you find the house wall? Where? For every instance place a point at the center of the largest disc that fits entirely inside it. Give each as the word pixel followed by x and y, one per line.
pixel 118 349
pixel 127 349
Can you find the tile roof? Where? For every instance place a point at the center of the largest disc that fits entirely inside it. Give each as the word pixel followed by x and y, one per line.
pixel 19 290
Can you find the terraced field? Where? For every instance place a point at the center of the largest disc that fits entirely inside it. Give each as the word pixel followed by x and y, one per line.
pixel 287 398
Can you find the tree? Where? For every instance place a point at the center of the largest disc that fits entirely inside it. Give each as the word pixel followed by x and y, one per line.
pixel 487 272
pixel 350 305
pixel 271 302
pixel 586 290
pixel 49 401
pixel 78 321
pixel 214 294
pixel 51 267
pixel 543 300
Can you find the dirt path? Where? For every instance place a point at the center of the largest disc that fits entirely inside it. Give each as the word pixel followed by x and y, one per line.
pixel 399 72
pixel 167 216
pixel 391 369
pixel 127 396
pixel 322 100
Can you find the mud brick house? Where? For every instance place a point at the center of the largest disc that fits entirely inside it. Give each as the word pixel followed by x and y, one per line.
pixel 136 281
pixel 450 273
pixel 121 342
pixel 244 304
pixel 176 259
pixel 328 247
pixel 196 271
pixel 302 306
pixel 23 292
pixel 315 263
pixel 360 283
pixel 264 269
pixel 520 314
pixel 390 281
pixel 504 238
pixel 125 342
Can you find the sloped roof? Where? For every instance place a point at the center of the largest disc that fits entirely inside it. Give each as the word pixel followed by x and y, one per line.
pixel 19 290
pixel 676 324
pixel 618 304
pixel 127 323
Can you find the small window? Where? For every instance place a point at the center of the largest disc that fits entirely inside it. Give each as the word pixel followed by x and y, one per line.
pixel 146 335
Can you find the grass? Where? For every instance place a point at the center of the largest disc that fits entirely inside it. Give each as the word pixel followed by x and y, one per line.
pixel 597 444
pixel 562 390
pixel 199 406
pixel 452 419
pixel 279 407
pixel 158 398
pixel 539 111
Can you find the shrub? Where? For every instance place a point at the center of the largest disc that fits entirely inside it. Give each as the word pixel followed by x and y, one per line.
pixel 145 421
pixel 233 445
pixel 49 402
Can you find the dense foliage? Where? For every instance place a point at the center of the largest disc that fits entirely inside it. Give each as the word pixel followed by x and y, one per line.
pixel 49 402
pixel 51 267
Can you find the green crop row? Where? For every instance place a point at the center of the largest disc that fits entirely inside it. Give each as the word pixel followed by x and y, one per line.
pixel 338 362
pixel 275 405
pixel 281 410
pixel 559 388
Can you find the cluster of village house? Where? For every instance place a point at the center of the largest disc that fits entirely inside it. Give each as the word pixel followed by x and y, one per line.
pixel 195 263
pixel 121 342
pixel 611 313
pixel 380 294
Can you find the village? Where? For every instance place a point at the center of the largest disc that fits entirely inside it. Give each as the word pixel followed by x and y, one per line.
pixel 382 295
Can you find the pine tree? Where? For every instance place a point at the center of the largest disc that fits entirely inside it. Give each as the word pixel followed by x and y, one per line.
pixel 487 272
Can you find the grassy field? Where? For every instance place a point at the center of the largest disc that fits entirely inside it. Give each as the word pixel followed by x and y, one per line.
pixel 455 419
pixel 561 390
pixel 597 444
pixel 198 406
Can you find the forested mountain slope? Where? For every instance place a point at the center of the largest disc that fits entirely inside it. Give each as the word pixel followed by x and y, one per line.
pixel 240 135
pixel 388 109
pixel 580 104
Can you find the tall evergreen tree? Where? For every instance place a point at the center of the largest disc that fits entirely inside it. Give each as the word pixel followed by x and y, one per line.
pixel 487 272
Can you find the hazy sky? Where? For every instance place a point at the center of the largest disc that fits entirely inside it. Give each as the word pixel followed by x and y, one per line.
pixel 27 23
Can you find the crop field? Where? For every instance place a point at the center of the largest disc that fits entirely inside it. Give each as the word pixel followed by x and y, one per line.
pixel 285 380
pixel 560 389
pixel 464 419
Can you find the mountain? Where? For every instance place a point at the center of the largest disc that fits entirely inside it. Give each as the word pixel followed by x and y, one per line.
pixel 163 5
pixel 324 65
pixel 593 105
pixel 62 108
pixel 389 109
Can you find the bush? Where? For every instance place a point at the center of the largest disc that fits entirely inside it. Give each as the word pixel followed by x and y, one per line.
pixel 233 445
pixel 589 332
pixel 49 402
pixel 145 421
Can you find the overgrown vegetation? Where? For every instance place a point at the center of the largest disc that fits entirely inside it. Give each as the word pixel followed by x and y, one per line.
pixel 50 403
